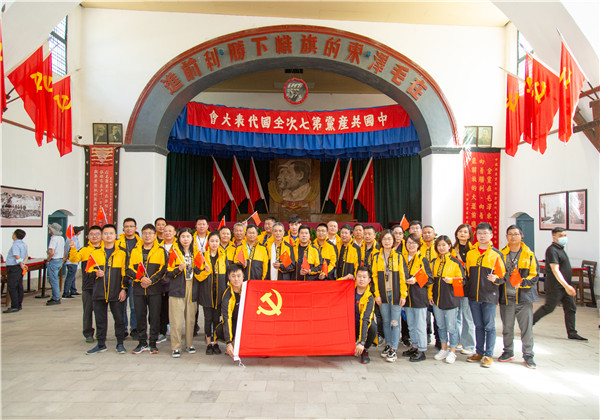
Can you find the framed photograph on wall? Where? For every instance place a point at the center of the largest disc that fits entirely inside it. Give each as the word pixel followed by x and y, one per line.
pixel 553 210
pixel 115 133
pixel 484 136
pixel 577 213
pixel 100 132
pixel 21 207
pixel 470 136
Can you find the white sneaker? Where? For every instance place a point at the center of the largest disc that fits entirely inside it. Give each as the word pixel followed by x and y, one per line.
pixel 441 355
pixel 385 351
pixel 451 358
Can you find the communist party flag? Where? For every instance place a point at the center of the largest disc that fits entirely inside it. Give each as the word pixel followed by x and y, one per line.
pixel 27 81
pixel 366 192
pixel 62 115
pixel 287 318
pixel 238 185
pixel 571 80
pixel 333 191
pixel 256 191
pixel 220 195
pixel 541 103
pixel 2 86
pixel 348 188
pixel 47 98
pixel 515 113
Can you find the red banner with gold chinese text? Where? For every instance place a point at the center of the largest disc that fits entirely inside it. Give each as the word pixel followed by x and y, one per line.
pixel 101 186
pixel 481 192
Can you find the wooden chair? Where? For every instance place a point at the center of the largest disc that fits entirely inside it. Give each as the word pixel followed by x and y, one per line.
pixel 588 271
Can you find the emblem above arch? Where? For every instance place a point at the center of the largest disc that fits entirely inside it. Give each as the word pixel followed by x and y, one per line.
pixel 289 46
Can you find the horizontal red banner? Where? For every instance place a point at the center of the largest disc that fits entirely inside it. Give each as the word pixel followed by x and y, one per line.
pixel 296 318
pixel 296 122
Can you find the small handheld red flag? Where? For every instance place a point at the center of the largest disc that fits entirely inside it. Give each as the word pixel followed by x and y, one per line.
pixel 172 257
pixel 285 259
pixel 101 216
pixel 421 277
pixel 141 271
pixel 305 265
pixel 325 268
pixel 241 257
pixel 256 218
pixel 404 223
pixel 70 232
pixel 498 269
pixel 457 285
pixel 221 223
pixel 199 260
pixel 90 267
pixel 515 278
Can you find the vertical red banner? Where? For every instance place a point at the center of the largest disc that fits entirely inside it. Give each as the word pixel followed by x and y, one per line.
pixel 481 193
pixel 101 183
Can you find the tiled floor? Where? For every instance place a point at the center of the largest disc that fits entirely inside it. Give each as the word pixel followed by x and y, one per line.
pixel 45 374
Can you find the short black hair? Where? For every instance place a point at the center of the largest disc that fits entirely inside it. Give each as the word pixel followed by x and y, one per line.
pixel 347 227
pixel 201 217
pixel 19 233
pixel 232 268
pixel 484 226
pixel 370 227
pixel 270 218
pixel 511 227
pixel 322 225
pixel 294 218
pixel 429 226
pixel 159 219
pixel 149 226
pixel 362 268
pixel 415 222
pixel 129 219
pixel 558 230
pixel 252 226
pixel 110 226
pixel 94 227
pixel 77 229
pixel 359 224
pixel 304 227
pixel 397 226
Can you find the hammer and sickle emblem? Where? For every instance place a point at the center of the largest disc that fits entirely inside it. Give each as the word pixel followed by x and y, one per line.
pixel 540 95
pixel 509 101
pixel 37 79
pixel 566 80
pixel 275 307
pixel 63 102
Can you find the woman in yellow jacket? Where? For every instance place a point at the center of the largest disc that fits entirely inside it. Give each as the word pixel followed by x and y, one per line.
pixel 213 283
pixel 464 319
pixel 390 291
pixel 447 270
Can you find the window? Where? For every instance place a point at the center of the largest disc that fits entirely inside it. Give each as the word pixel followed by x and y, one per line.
pixel 58 46
pixel 523 47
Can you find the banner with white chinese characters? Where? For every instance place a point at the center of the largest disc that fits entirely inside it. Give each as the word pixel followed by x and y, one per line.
pixel 101 183
pixel 296 122
pixel 482 189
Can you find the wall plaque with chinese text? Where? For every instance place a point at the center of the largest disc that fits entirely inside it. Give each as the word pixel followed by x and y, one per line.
pixel 101 183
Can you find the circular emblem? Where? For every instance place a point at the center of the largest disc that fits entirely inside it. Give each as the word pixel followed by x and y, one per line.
pixel 295 91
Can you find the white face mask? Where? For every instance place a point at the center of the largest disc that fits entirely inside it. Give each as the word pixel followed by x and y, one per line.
pixel 563 241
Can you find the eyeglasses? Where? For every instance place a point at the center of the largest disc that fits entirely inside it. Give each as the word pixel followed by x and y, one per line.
pixel 513 234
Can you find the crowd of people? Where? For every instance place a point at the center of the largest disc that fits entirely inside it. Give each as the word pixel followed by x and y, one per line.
pixel 404 281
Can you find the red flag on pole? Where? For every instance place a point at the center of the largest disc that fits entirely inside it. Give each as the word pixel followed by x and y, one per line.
pixel 141 271
pixel 70 232
pixel 404 223
pixel 498 268
pixel 254 186
pixel 285 259
pixel 571 80
pixel 221 223
pixel 219 194
pixel 101 216
pixel 256 218
pixel 285 318
pixel 515 278
pixel 366 192
pixel 333 191
pixel 238 185
pixel 541 103
pixel 515 113
pixel 347 188
pixel 47 99
pixel 305 265
pixel 90 267
pixel 325 268
pixel 241 257
pixel 27 79
pixel 172 257
pixel 421 277
pixel 2 85
pixel 62 126
pixel 199 259
pixel 457 285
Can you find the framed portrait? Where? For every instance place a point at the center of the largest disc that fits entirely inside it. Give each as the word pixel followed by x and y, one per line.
pixel 100 132
pixel 484 136
pixel 577 210
pixel 115 133
pixel 470 138
pixel 553 210
pixel 21 207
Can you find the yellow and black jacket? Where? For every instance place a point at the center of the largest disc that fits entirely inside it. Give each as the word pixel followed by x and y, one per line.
pixel 401 248
pixel 398 269
pixel 283 273
pixel 196 243
pixel 263 238
pixel 257 261
pixel 368 255
pixel 443 293
pixel 229 314
pixel 418 297
pixel 177 278
pixel 213 281
pixel 428 252
pixel 230 252
pixel 338 244
pixel 315 262
pixel 107 288
pixel 457 254
pixel 226 248
pixel 328 255
pixel 288 238
pixel 366 309
pixel 528 269
pixel 349 260
pixel 87 279
pixel 477 267
pixel 156 268
pixel 362 251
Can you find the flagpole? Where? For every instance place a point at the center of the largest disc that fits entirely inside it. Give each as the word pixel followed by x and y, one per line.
pixel 344 184
pixel 229 194
pixel 259 185
pixel 337 162
pixel 562 39
pixel 362 179
pixel 511 73
pixel 239 171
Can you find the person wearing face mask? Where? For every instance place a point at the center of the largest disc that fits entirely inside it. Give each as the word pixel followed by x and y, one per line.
pixel 558 284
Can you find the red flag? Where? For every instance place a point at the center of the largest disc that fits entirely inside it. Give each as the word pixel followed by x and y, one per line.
pixel 498 268
pixel 285 259
pixel 285 318
pixel 62 115
pixel 238 184
pixel 47 99
pixel 348 195
pixel 256 218
pixel 172 256
pixel 70 232
pixel 541 103
pixel 199 259
pixel 101 215
pixel 2 86
pixel 421 277
pixel 219 194
pixel 325 269
pixel 571 80
pixel 515 113
pixel 404 223
pixel 333 191
pixel 221 223
pixel 141 271
pixel 27 79
pixel 305 265
pixel 515 278
pixel 241 257
pixel 366 192
pixel 90 267
pixel 254 185
pixel 457 285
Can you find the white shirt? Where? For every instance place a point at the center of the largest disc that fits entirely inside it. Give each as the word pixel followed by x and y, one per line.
pixel 273 260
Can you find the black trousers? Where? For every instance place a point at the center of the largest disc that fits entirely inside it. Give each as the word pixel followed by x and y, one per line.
pixel 14 283
pixel 553 296
pixel 147 311
pixel 101 314
pixel 164 313
pixel 211 320
pixel 379 320
pixel 88 312
pixel 371 334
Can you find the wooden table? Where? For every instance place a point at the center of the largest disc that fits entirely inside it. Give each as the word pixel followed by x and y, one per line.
pixel 577 271
pixel 33 264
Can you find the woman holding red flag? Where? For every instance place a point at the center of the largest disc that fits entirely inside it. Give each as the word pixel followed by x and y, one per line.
pixel 464 320
pixel 213 282
pixel 448 277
